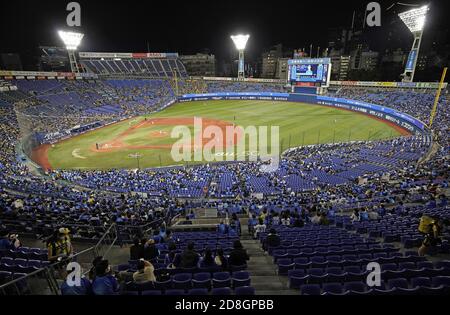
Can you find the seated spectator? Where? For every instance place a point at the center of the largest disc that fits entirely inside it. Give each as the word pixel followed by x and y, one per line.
pixel 381 210
pixel 104 283
pixel 94 266
pixel 172 259
pixel 14 239
pixel 223 228
pixel 168 238
pixel 315 219
pixel 355 216
pixel 431 228
pixel 443 200
pixel 272 240
pixel 259 228
pixel 373 215
pixel 73 288
pixel 150 251
pixel 323 219
pixel 364 215
pixel 298 221
pixel 286 220
pixel 275 219
pixel 189 258
pixel 157 236
pixel 5 242
pixel 136 250
pixel 221 260
pixel 238 255
pixel 145 272
pixel 207 260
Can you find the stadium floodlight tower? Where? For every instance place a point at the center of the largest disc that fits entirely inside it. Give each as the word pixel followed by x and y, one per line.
pixel 240 41
pixel 415 21
pixel 71 40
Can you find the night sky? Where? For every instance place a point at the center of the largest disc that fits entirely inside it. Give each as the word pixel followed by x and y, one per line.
pixel 189 26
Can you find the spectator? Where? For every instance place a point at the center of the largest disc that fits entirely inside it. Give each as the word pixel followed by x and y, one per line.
pixel 252 222
pixel 363 215
pixel 168 238
pixel 235 224
pixel 323 220
pixel 259 228
pixel 355 216
pixel 315 218
pixel 238 255
pixel 286 220
pixel 104 283
pixel 173 258
pixel 222 227
pixel 145 272
pixel 373 215
pixel 5 242
pixel 298 221
pixel 207 260
pixel 221 260
pixel 82 288
pixel 59 245
pixel 431 228
pixel 150 251
pixel 275 219
pixel 136 250
pixel 272 240
pixel 95 262
pixel 189 258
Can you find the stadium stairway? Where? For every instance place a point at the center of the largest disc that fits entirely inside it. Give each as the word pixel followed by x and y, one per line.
pixel 263 271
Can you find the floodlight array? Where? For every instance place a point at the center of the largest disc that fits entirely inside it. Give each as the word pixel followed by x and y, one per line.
pixel 240 41
pixel 71 39
pixel 414 19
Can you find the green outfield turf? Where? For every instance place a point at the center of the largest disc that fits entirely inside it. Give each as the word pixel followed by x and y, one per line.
pixel 299 124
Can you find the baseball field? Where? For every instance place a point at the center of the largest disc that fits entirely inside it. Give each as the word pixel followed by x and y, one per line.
pixel 147 141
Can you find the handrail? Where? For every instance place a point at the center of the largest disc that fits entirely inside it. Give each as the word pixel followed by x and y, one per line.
pixel 49 270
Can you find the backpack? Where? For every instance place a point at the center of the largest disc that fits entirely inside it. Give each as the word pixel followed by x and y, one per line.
pixel 163 277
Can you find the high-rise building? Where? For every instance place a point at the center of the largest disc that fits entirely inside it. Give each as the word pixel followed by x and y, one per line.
pixel 269 61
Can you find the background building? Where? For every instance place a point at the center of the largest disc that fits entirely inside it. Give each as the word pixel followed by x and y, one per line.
pixel 269 60
pixel 10 62
pixel 200 64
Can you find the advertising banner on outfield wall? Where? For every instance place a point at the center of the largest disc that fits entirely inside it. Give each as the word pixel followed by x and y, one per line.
pixel 413 85
pixel 44 75
pixel 251 80
pixel 99 55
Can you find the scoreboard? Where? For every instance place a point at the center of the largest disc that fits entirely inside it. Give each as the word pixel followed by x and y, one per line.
pixel 308 72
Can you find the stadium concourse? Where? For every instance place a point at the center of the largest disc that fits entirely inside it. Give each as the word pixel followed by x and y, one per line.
pixel 313 225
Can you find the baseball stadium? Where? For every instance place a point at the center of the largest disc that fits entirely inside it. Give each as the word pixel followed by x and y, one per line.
pixel 131 174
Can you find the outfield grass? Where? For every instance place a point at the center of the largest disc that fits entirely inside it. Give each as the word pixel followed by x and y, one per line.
pixel 300 124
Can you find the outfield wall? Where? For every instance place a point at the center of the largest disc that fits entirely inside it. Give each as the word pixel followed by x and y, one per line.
pixel 391 115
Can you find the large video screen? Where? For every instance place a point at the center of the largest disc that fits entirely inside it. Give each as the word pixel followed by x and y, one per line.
pixel 312 71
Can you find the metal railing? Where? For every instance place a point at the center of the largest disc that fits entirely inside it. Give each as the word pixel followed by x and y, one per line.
pixel 46 281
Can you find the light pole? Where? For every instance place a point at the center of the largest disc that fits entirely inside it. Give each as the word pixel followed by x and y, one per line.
pixel 136 156
pixel 240 41
pixel 71 40
pixel 415 21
